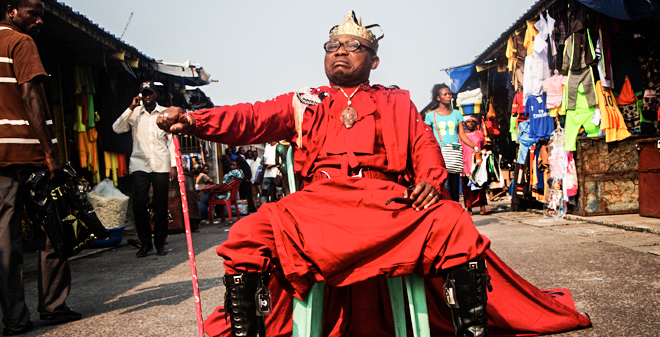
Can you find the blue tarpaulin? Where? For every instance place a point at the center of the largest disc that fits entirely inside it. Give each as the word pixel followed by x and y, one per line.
pixel 625 9
pixel 458 76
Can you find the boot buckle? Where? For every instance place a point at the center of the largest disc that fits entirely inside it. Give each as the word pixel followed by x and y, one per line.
pixel 263 301
pixel 477 265
pixel 238 279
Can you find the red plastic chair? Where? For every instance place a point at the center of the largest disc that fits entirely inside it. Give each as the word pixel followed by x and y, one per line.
pixel 233 196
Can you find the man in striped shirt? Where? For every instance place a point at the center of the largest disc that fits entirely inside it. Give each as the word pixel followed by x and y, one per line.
pixel 26 145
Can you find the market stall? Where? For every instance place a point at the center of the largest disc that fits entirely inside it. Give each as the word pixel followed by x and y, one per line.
pixel 586 72
pixel 93 77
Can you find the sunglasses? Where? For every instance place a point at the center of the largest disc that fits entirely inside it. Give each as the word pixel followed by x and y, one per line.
pixel 350 45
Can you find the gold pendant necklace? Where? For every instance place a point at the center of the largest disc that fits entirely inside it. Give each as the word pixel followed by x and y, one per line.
pixel 349 115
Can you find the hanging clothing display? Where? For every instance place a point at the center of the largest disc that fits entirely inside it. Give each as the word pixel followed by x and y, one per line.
pixel 589 74
pixel 604 67
pixel 611 119
pixel 579 118
pixel 541 124
pixel 554 88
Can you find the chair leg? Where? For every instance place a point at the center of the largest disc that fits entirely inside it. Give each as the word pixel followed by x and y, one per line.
pixel 228 204
pixel 238 212
pixel 395 286
pixel 308 313
pixel 222 212
pixel 417 302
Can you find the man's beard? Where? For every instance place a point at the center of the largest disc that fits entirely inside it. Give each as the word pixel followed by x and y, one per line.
pixel 341 77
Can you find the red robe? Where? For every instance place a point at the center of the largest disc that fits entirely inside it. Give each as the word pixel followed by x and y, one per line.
pixel 339 230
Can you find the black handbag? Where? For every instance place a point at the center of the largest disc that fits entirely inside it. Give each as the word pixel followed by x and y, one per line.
pixel 60 205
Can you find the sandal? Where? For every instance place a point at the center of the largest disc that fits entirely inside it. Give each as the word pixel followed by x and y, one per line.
pixel 486 212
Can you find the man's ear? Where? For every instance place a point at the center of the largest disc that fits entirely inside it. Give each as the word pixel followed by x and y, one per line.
pixel 10 12
pixel 375 62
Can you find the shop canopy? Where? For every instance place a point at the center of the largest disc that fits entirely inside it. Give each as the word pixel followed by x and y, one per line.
pixel 625 9
pixel 187 73
pixel 458 76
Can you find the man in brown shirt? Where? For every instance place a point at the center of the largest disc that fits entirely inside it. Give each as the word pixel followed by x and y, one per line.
pixel 26 145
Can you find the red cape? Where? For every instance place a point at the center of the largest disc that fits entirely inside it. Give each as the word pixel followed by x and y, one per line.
pixel 515 308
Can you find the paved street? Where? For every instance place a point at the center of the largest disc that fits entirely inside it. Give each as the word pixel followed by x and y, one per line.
pixel 612 275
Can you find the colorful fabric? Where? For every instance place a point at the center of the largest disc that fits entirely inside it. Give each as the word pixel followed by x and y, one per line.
pixel 518 106
pixel 631 117
pixel 578 119
pixel 611 119
pixel 513 127
pixel 627 95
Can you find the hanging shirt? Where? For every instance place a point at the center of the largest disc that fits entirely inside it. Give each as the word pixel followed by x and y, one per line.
pixel 518 106
pixel 603 67
pixel 525 142
pixel 541 124
pixel 530 35
pixel 152 147
pixel 627 95
pixel 611 119
pixel 554 89
pixel 536 62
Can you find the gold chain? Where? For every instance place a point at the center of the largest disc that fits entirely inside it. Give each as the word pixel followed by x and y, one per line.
pixel 351 96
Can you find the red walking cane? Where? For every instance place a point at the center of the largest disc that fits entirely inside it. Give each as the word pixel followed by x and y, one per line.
pixel 186 220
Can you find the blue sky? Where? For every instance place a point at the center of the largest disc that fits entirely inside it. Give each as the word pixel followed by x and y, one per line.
pixel 260 49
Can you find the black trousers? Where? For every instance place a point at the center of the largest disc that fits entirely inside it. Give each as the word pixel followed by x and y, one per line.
pixel 452 185
pixel 245 191
pixel 54 278
pixel 160 182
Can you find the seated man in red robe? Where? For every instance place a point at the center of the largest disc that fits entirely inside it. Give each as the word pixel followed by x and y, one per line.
pixel 356 146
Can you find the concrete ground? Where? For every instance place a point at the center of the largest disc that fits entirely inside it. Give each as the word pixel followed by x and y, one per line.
pixel 611 274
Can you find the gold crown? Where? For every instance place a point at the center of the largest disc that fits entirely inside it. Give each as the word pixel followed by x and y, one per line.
pixel 353 26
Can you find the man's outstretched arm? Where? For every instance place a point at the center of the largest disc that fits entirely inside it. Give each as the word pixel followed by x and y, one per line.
pixel 240 124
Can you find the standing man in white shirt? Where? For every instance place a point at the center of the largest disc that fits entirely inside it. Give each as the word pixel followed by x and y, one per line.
pixel 270 172
pixel 255 163
pixel 152 164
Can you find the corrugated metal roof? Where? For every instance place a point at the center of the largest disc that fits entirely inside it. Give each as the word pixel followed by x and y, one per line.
pixel 501 41
pixel 532 12
pixel 97 33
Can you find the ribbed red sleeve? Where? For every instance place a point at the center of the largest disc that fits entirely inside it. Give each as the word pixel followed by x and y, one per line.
pixel 245 123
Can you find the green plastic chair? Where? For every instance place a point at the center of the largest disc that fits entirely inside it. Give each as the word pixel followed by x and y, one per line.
pixel 308 313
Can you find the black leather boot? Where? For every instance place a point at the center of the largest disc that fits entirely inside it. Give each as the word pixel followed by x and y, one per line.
pixel 247 300
pixel 465 293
